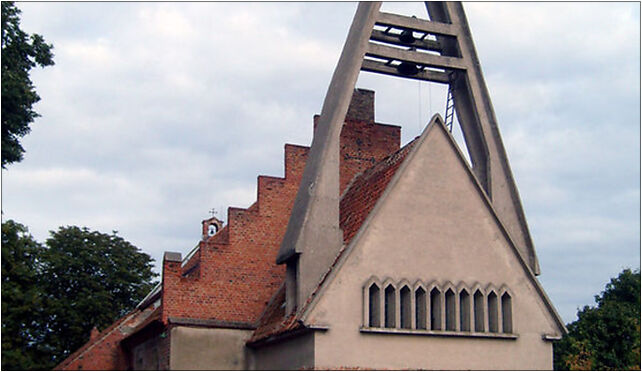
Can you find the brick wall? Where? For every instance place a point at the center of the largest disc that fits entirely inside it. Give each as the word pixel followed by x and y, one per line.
pixel 236 269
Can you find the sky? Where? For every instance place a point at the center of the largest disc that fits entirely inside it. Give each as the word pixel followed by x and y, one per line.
pixel 155 113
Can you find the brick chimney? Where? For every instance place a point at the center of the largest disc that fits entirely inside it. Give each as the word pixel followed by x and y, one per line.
pixel 94 334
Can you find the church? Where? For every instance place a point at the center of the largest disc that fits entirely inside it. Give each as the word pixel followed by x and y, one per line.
pixel 366 253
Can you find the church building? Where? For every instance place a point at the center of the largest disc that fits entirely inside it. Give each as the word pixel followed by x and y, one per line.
pixel 365 254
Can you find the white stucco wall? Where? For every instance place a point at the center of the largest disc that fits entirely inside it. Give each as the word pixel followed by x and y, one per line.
pixel 433 225
pixel 195 348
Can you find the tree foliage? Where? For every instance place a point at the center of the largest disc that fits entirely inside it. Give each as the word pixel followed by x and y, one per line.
pixel 607 336
pixel 20 53
pixel 79 280
pixel 92 280
pixel 21 297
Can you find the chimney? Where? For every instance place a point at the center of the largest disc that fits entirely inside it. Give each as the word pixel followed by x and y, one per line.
pixel 94 334
pixel 361 107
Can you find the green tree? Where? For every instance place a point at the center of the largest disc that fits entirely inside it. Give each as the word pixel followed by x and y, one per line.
pixel 91 279
pixel 21 297
pixel 20 53
pixel 607 336
pixel 79 280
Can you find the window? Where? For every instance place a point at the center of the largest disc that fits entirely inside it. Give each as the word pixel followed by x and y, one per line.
pixel 404 309
pixel 435 309
pixel 450 310
pixel 478 304
pixel 374 315
pixel 390 308
pixel 507 314
pixel 420 308
pixel 492 313
pixel 464 310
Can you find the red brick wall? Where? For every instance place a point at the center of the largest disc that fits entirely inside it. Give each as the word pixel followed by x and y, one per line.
pixel 238 274
pixel 105 355
pixel 363 144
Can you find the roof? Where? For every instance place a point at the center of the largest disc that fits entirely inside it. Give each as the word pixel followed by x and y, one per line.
pixel 273 322
pixel 355 205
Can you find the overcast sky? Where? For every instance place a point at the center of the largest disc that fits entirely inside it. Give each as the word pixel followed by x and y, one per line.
pixel 157 112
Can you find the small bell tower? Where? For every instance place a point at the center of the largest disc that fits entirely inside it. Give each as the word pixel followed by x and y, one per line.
pixel 211 226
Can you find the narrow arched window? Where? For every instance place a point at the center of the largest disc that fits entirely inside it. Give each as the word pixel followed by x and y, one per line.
pixel 374 315
pixel 435 309
pixel 390 310
pixel 420 308
pixel 450 310
pixel 492 313
pixel 464 310
pixel 507 314
pixel 478 308
pixel 405 314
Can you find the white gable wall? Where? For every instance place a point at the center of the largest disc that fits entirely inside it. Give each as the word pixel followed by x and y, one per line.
pixel 432 225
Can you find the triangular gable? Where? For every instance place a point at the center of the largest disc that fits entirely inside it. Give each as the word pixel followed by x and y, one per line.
pixel 435 128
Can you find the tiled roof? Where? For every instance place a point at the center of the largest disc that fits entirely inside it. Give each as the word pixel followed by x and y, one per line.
pixel 357 202
pixel 273 321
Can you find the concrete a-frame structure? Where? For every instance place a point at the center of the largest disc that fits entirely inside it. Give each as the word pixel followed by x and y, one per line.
pixel 437 50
